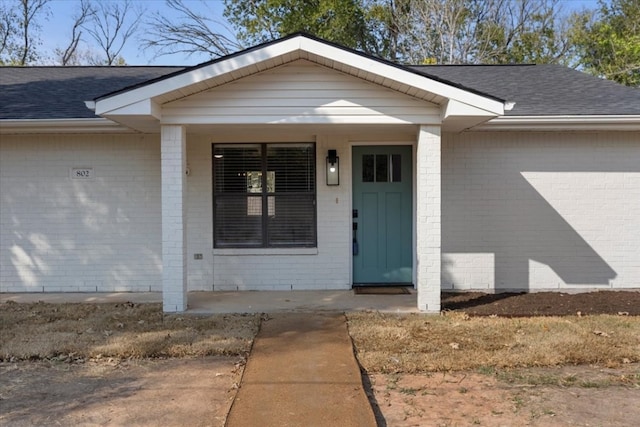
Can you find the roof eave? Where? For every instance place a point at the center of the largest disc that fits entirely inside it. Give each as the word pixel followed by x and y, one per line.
pixel 562 123
pixel 89 125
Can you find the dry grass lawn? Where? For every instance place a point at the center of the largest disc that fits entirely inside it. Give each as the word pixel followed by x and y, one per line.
pixel 387 343
pixel 74 332
pixel 384 343
pixel 92 364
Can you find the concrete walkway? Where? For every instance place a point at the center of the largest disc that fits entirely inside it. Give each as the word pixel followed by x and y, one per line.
pixel 302 372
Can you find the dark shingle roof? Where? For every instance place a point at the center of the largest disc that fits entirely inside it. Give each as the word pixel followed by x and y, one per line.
pixel 60 92
pixel 543 89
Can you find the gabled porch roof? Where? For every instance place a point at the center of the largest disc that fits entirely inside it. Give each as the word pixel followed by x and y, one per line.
pixel 140 106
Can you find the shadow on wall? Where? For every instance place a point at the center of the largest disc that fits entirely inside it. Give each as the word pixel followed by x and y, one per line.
pixel 498 220
pixel 63 234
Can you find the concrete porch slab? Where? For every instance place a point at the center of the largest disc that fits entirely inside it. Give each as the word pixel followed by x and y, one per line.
pixel 243 302
pixel 298 301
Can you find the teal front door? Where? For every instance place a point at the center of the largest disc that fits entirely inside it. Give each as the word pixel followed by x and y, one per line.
pixel 382 219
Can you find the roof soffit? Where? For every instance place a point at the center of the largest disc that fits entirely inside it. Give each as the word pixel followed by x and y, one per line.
pixel 226 70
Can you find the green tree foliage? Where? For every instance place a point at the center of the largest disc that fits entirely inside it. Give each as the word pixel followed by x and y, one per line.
pixel 480 31
pixel 608 42
pixel 414 31
pixel 340 21
pixel 526 32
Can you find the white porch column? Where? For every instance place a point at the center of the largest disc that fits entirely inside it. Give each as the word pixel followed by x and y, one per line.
pixel 428 229
pixel 174 254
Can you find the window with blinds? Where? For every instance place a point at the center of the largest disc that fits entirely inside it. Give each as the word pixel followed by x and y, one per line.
pixel 264 195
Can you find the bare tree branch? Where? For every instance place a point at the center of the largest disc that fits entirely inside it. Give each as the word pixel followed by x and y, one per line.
pixel 29 9
pixel 113 24
pixel 7 28
pixel 188 34
pixel 86 12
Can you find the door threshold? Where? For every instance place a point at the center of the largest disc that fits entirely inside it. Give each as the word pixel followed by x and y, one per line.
pixel 383 285
pixel 381 290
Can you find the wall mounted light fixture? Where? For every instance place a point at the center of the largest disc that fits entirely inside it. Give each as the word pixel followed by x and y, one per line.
pixel 333 168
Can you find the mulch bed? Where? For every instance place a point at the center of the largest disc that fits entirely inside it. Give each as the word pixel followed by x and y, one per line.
pixel 543 303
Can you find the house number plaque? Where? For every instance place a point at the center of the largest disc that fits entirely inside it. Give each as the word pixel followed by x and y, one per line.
pixel 82 173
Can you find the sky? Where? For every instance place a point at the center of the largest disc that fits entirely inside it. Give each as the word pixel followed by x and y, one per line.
pixel 56 30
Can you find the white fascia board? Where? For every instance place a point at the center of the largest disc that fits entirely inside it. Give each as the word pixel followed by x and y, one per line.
pixel 146 107
pixel 544 123
pixel 290 46
pixel 402 76
pixel 97 125
pixel 252 58
pixel 455 108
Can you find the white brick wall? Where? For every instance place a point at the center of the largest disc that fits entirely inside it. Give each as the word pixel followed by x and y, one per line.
pixel 428 191
pixel 538 211
pixel 174 225
pixel 527 211
pixel 106 234
pixel 327 267
pixel 59 234
pixel 199 214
